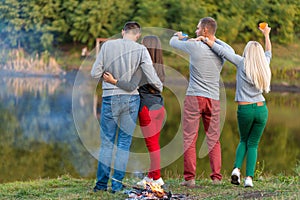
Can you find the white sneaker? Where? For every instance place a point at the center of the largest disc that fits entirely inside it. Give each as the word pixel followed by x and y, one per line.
pixel 235 176
pixel 159 182
pixel 248 182
pixel 144 181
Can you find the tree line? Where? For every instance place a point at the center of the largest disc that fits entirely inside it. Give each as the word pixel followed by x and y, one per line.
pixel 39 25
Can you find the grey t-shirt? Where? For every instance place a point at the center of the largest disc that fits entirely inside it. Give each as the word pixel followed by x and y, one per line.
pixel 205 67
pixel 245 89
pixel 122 58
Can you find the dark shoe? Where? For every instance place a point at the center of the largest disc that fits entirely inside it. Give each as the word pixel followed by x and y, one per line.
pixel 235 176
pixel 116 191
pixel 99 189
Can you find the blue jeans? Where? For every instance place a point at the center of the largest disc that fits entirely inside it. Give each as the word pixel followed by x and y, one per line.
pixel 118 119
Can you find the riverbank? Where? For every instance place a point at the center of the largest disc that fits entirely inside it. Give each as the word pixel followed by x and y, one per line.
pixel 66 187
pixel 285 64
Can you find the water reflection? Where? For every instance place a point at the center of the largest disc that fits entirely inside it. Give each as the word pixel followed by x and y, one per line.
pixel 38 137
pixel 18 85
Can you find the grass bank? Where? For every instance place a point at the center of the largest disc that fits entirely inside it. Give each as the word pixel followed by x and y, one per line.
pixel 66 187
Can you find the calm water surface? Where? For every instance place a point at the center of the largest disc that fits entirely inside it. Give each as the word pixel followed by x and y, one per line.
pixel 43 133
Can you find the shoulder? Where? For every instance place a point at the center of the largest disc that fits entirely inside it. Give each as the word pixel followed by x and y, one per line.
pixel 109 43
pixel 112 41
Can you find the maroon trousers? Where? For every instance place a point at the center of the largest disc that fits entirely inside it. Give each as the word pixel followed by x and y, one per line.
pixel 151 123
pixel 196 107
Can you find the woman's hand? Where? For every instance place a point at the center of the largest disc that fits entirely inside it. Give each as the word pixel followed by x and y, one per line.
pixel 200 38
pixel 179 35
pixel 266 30
pixel 108 77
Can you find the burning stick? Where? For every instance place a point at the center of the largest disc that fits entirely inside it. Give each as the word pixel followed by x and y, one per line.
pixel 150 191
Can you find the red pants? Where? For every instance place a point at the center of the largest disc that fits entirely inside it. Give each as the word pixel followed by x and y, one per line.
pixel 151 123
pixel 196 107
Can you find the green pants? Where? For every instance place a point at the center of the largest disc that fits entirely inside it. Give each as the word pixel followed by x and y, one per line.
pixel 252 120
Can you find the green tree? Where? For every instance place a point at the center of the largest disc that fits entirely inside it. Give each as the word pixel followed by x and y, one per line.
pixel 11 23
pixel 281 14
pixel 184 15
pixel 38 25
pixel 92 19
pixel 229 19
pixel 151 13
pixel 32 25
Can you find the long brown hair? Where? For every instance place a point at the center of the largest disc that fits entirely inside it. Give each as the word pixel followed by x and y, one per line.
pixel 153 44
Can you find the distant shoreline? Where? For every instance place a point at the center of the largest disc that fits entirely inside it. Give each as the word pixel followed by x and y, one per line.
pixel 274 87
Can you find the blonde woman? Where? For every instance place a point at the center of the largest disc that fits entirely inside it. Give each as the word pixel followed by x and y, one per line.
pixel 252 79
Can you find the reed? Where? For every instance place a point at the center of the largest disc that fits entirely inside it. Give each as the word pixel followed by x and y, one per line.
pixel 17 60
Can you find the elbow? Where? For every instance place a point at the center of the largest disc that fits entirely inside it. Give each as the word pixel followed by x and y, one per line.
pixel 232 50
pixel 160 88
pixel 171 42
pixel 93 75
pixel 131 88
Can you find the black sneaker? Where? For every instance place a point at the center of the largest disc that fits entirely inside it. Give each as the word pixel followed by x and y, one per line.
pixel 235 176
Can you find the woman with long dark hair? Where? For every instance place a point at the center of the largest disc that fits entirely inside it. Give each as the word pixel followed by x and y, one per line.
pixel 151 111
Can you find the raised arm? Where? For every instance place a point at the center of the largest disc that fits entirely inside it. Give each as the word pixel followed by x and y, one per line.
pixel 222 51
pixel 225 45
pixel 177 42
pixel 266 32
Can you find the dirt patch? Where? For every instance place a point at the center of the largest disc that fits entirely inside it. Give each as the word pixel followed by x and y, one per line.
pixel 257 195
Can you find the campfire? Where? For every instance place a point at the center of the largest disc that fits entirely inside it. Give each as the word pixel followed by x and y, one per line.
pixel 152 191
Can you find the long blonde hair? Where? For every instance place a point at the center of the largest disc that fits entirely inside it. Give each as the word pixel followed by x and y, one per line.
pixel 256 66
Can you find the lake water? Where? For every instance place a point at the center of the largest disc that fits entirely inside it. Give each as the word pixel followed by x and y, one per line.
pixel 49 127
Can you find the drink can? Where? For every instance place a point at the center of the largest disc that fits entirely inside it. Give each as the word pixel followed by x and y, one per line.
pixel 185 37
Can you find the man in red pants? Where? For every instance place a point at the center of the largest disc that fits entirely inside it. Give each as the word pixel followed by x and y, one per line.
pixel 202 99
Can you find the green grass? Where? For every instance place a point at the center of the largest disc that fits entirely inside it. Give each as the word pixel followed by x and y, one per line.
pixel 66 187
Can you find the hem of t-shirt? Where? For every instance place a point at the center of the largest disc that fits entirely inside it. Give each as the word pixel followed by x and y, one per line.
pixel 112 92
pixel 203 95
pixel 250 100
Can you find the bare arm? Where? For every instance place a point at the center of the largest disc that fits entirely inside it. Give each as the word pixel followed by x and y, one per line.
pixel 266 32
pixel 108 77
